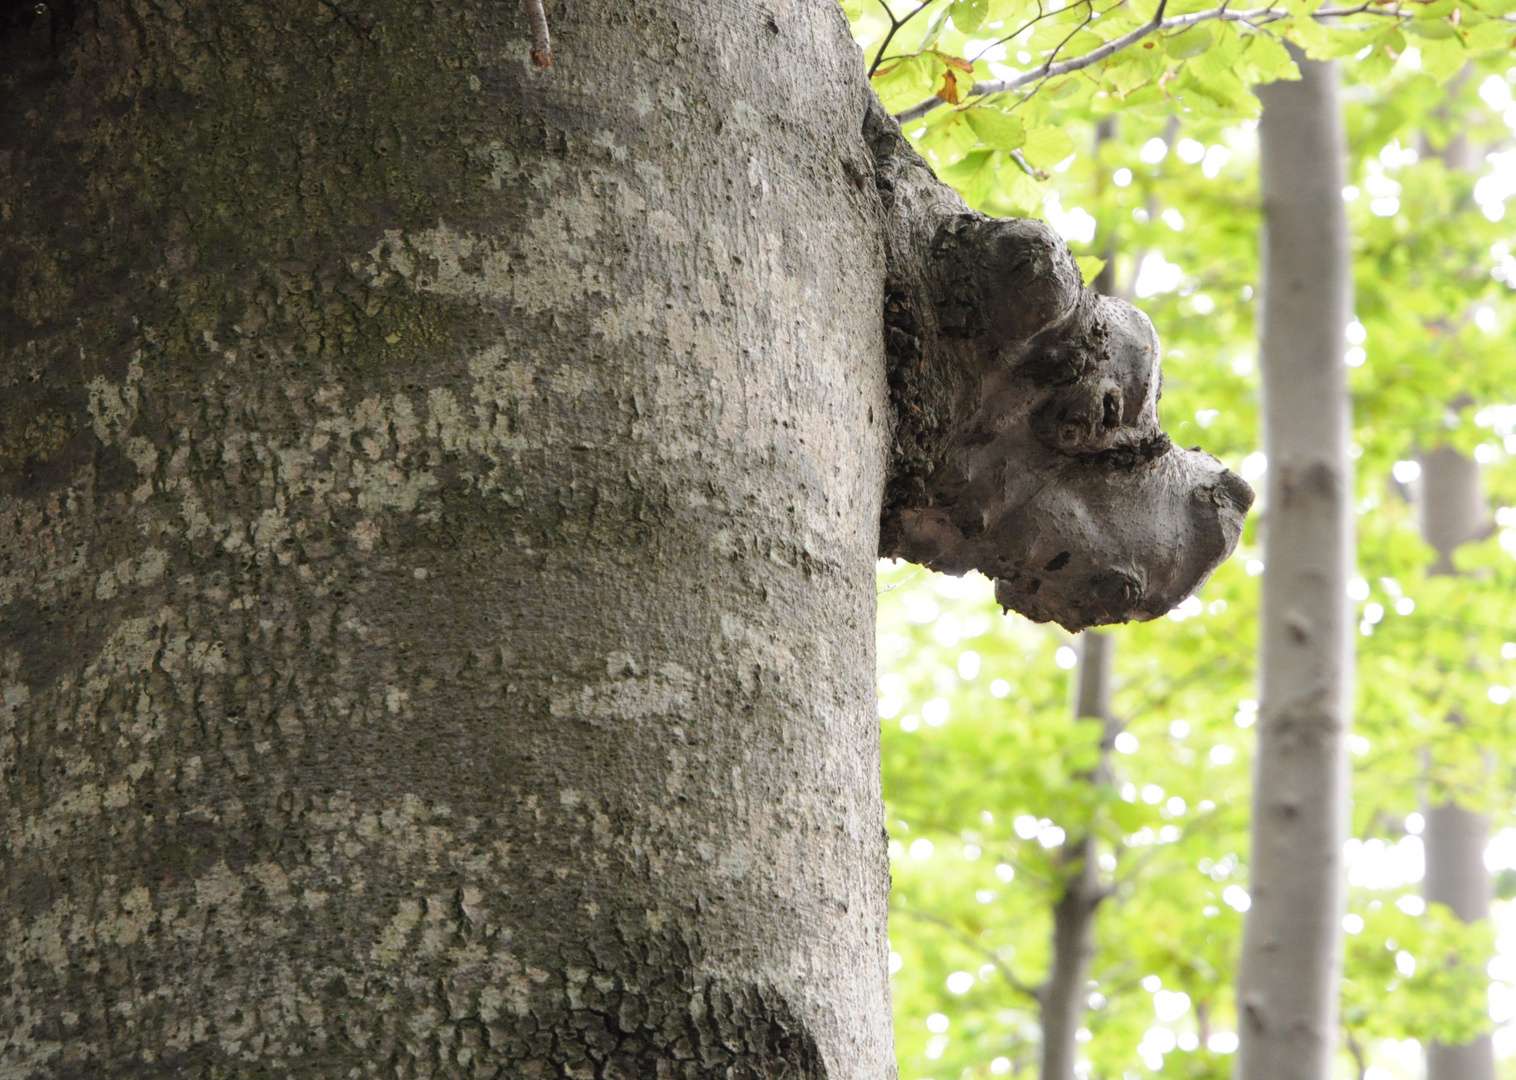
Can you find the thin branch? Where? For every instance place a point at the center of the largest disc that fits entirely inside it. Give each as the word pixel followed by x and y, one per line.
pixel 542 44
pixel 1089 17
pixel 1049 70
pixel 1035 993
pixel 895 25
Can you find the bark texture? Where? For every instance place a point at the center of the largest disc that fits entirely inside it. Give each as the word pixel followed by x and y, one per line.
pixel 1454 513
pixel 438 507
pixel 1027 443
pixel 1287 986
pixel 438 512
pixel 1064 997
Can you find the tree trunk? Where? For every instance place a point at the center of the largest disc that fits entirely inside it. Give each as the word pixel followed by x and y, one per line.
pixel 1453 513
pixel 1063 998
pixel 440 512
pixel 1287 986
pixel 438 507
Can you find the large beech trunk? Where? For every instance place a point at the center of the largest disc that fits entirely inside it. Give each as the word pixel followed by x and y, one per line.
pixel 438 508
pixel 1287 985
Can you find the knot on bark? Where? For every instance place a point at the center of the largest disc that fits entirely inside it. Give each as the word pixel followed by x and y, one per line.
pixel 1027 442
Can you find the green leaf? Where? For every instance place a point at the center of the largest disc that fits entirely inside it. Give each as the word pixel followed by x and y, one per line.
pixel 1375 68
pixel 1190 43
pixel 1442 58
pixel 1046 146
pixel 907 81
pixel 1431 30
pixel 1089 267
pixel 1309 34
pixel 969 15
pixel 1439 9
pixel 1270 60
pixel 853 9
pixel 996 129
pixel 1490 36
pixel 1021 193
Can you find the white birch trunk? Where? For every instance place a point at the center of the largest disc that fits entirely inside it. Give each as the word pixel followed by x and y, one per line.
pixel 1287 985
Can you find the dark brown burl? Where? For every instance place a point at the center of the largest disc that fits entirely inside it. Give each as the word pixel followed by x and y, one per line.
pixel 1027 441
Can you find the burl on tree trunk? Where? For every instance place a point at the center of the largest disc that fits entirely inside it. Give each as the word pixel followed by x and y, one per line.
pixel 439 507
pixel 1027 443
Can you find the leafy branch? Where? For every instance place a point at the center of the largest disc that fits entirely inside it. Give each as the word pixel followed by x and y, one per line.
pixel 1052 68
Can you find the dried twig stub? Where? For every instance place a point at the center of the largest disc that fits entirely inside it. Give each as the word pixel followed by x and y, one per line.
pixel 542 45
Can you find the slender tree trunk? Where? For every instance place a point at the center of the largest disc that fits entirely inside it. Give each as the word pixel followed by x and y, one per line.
pixel 1453 513
pixel 438 509
pixel 1287 986
pixel 1064 996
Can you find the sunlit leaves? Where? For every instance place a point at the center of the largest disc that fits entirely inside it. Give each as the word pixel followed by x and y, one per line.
pixel 1203 61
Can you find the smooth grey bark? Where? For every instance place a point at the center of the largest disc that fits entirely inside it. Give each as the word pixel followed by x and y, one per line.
pixel 1287 983
pixel 1062 999
pixel 1454 513
pixel 438 508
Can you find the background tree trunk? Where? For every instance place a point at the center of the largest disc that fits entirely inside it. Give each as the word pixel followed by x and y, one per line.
pixel 1287 986
pixel 438 509
pixel 1453 513
pixel 1064 997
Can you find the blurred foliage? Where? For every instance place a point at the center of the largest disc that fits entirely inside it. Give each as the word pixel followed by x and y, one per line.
pixel 1149 162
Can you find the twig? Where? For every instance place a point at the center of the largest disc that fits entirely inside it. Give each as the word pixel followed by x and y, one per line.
pixel 1033 992
pixel 1051 70
pixel 895 27
pixel 542 44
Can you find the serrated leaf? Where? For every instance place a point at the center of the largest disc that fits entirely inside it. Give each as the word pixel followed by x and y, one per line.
pixel 1046 146
pixel 995 129
pixel 969 15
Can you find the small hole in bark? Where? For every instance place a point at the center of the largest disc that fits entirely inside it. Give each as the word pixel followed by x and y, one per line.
pixel 1058 562
pixel 1112 415
pixel 1033 586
